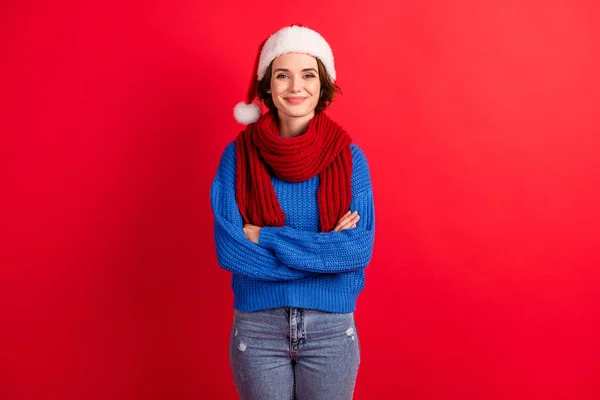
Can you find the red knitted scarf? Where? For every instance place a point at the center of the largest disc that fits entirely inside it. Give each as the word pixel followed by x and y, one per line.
pixel 323 149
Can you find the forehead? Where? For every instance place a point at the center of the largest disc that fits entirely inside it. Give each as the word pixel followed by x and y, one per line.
pixel 295 61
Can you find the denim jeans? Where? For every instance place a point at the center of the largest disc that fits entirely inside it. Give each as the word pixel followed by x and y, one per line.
pixel 294 353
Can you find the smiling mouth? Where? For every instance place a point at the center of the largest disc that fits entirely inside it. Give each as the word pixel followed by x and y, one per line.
pixel 295 100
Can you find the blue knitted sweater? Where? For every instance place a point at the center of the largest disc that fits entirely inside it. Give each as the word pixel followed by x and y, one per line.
pixel 294 265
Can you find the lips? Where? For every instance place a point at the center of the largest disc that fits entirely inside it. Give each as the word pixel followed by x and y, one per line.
pixel 295 100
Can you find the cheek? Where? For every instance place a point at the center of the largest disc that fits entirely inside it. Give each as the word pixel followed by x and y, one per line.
pixel 315 88
pixel 277 87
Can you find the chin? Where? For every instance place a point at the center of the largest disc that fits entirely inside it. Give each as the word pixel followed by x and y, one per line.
pixel 298 113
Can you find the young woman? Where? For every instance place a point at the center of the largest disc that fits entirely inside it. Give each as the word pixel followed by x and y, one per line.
pixel 295 224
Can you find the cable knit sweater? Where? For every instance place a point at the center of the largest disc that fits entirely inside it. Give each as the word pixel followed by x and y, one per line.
pixel 294 265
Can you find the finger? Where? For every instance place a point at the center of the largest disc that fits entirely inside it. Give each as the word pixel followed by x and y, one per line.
pixel 341 220
pixel 348 218
pixel 354 220
pixel 350 227
pixel 351 222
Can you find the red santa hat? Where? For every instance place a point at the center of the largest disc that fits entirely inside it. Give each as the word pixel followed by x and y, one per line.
pixel 291 39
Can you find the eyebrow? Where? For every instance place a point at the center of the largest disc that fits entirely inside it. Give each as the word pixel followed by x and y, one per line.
pixel 287 70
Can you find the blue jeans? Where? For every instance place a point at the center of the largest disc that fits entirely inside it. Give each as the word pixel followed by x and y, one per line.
pixel 294 353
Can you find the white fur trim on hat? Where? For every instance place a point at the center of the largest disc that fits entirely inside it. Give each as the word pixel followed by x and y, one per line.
pixel 246 113
pixel 296 39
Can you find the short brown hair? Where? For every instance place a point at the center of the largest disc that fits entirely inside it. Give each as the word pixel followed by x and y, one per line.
pixel 329 90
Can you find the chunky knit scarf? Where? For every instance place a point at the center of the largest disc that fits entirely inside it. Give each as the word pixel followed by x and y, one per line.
pixel 323 149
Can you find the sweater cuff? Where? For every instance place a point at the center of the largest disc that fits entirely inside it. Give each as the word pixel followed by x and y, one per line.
pixel 268 237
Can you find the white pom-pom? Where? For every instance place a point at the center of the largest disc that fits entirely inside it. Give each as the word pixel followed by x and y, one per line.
pixel 246 113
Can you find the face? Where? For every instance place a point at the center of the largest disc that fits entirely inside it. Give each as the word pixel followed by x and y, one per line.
pixel 295 84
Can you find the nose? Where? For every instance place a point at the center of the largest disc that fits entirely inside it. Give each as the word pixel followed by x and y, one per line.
pixel 295 84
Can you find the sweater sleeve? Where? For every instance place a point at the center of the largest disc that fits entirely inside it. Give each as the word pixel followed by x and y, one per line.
pixel 330 252
pixel 235 252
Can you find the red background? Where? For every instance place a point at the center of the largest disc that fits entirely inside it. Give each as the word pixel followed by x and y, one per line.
pixel 480 121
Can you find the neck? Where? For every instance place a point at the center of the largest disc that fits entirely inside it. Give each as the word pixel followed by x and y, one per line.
pixel 290 127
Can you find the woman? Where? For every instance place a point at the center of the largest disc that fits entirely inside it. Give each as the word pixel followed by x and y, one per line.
pixel 295 224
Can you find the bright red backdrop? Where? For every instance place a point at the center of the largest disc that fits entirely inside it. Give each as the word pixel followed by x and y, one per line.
pixel 480 121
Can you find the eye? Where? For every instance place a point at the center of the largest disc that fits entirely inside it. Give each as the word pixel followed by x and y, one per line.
pixel 281 75
pixel 310 76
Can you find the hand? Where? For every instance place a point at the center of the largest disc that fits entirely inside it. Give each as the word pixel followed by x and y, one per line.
pixel 348 221
pixel 252 232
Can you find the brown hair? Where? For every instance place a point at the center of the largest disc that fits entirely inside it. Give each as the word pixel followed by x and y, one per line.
pixel 329 90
